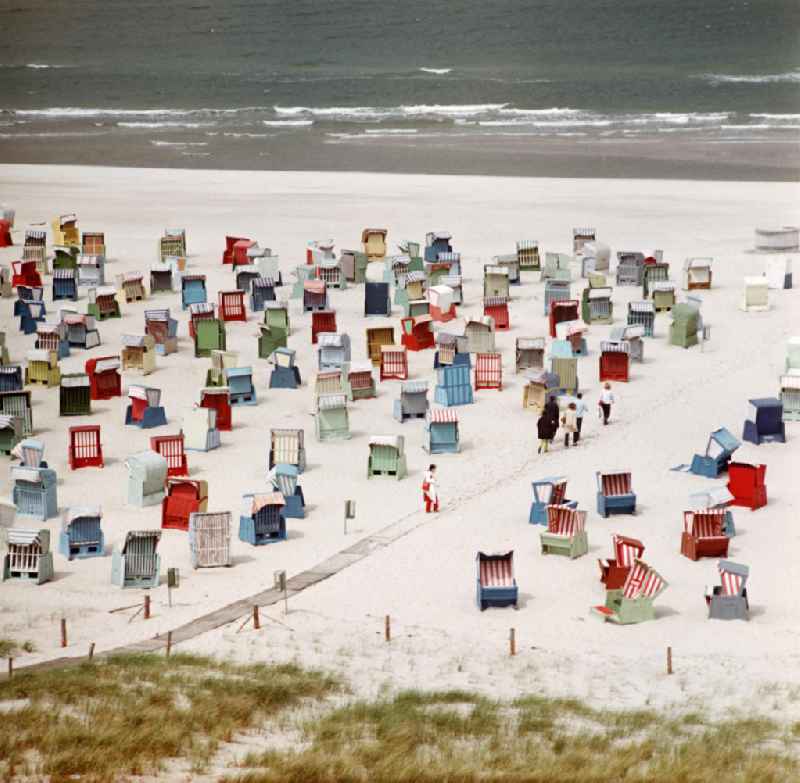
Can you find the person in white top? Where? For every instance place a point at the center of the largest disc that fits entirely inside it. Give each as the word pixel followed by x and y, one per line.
pixel 429 490
pixel 606 401
pixel 581 409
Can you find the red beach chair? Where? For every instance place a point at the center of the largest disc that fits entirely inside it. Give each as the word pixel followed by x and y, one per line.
pixel 227 255
pixel 614 572
pixel 231 306
pixel 488 371
pixel 322 321
pixel 218 398
pixel 417 332
pixel 105 381
pixel 746 484
pixel 184 497
pixel 614 361
pixel 85 449
pixel 563 310
pixel 171 448
pixel 702 534
pixel 394 362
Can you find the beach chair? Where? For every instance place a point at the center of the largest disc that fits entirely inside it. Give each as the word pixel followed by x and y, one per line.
pixel 91 270
pixel 528 255
pixel 562 311
pixel 74 395
pixel 566 371
pixel 5 233
pixel 315 295
pixel 138 353
pixel 413 402
pixel 284 480
pixel 718 498
pixel 779 273
pixel 437 242
pixel 276 316
pixel 702 534
pixel 634 602
pixel 614 571
pixel 103 303
pixel 354 265
pixel 755 297
pixel 596 305
pixel 697 273
pixel 163 329
pixel 229 251
pixel 49 337
pixel 10 433
pixel 614 362
pixel 444 267
pixel 65 284
pixel 496 282
pixel 595 258
pixel 496 585
pixel 262 290
pixel 31 314
pixel 38 254
pixel 540 385
pixel 615 494
pixel 549 491
pixel 147 476
pixel 302 274
pixel 137 563
pixel 417 332
pixel 65 257
pixel 24 273
pixel 322 321
pixel 231 306
pixel 529 353
pixel 144 409
pixel 387 456
pixel 361 381
pixel 441 431
pixel 245 276
pixel 441 303
pixel 728 600
pixel 199 429
pixel 262 521
pixel 85 449
pixel 453 385
pixel 183 498
pixel 5 358
pixel 132 287
pixel 11 377
pixel 333 352
pixel 479 335
pixel 332 420
pixel 239 381
pixel 559 291
pixel 566 532
pixel 653 273
pixel 765 422
pixel 685 326
pixel 790 396
pixel 239 252
pixel 18 405
pixel 81 330
pixel 171 447
pixel 447 350
pixel 747 485
pixel 105 381
pixel 287 447
pixel 209 335
pixel 285 374
pixel 496 308
pixel 42 369
pixel 510 263
pixel 193 290
pixel 217 398
pixel 172 244
pixel 28 557
pixel 411 286
pixel 81 533
pixel 93 243
pixel 373 241
pixel 663 293
pixel 556 268
pixel 580 236
pixel 210 539
pixel 331 382
pixel 34 491
pixel 719 450
pixel 394 363
pixel 376 299
pixel 642 314
pixel 270 339
pixel 331 272
pixel 30 453
pixel 489 371
pixel 632 337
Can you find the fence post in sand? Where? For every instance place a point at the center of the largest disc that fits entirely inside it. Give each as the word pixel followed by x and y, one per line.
pixel 669 660
pixel 63 631
pixel 387 628
pixel 91 651
pixel 512 642
pixel 256 618
pixel 169 643
pixel 147 607
pixel 10 667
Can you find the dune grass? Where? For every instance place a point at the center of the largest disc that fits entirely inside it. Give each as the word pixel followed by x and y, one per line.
pixel 130 715
pixel 126 715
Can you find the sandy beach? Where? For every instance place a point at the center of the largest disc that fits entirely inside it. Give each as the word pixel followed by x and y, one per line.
pixel 425 580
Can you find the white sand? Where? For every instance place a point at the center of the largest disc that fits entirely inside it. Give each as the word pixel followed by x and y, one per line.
pixel 426 580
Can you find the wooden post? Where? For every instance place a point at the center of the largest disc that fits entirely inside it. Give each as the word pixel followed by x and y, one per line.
pixel 91 651
pixel 63 631
pixel 387 628
pixel 512 642
pixel 669 660
pixel 169 643
pixel 147 607
pixel 10 667
pixel 256 618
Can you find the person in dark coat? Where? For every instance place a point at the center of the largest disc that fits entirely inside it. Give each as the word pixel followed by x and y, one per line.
pixel 546 432
pixel 553 413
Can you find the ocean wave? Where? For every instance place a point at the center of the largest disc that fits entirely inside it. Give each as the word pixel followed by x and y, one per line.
pixel 437 71
pixel 332 111
pixel 759 126
pixel 377 113
pixel 232 135
pixel 288 123
pixel 77 111
pixel 168 124
pixel 555 111
pixel 545 123
pixel 43 66
pixel 160 143
pixel 786 117
pixel 765 78
pixel 391 131
pixel 451 110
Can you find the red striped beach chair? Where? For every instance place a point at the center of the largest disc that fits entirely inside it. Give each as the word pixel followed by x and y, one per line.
pixel 496 583
pixel 634 602
pixel 728 600
pixel 614 572
pixel 614 362
pixel 489 371
pixel 702 534
pixel 231 306
pixel 171 448
pixel 615 494
pixel 496 307
pixel 394 362
pixel 566 532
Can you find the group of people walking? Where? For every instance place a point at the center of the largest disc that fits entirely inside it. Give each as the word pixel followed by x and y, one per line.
pixel 571 420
